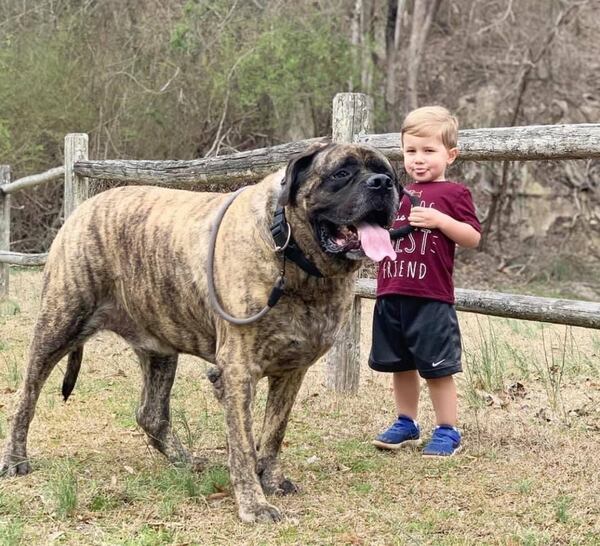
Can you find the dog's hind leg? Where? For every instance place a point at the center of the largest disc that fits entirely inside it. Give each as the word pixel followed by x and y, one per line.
pixel 153 414
pixel 58 331
pixel 282 394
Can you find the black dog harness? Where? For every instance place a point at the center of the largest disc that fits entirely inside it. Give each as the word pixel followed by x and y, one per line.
pixel 285 242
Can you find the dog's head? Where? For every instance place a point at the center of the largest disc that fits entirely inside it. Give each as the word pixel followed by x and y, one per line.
pixel 349 194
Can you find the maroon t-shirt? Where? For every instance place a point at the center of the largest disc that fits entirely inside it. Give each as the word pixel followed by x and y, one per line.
pixel 425 257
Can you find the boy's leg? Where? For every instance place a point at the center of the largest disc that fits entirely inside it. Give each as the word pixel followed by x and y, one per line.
pixel 388 354
pixel 434 336
pixel 442 391
pixel 445 440
pixel 406 386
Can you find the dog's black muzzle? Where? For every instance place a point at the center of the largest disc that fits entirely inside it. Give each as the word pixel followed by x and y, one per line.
pixel 381 184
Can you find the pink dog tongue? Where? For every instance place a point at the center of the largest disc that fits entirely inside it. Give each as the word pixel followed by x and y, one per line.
pixel 375 242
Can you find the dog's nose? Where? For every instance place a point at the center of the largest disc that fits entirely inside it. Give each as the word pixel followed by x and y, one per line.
pixel 380 183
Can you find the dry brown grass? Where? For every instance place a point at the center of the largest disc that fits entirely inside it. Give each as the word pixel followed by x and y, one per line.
pixel 529 473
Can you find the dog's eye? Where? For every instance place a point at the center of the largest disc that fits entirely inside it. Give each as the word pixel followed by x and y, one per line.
pixel 342 173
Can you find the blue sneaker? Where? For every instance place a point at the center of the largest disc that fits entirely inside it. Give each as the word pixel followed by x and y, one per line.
pixel 403 432
pixel 445 442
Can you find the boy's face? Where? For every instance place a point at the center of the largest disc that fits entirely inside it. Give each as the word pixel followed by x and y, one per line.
pixel 426 157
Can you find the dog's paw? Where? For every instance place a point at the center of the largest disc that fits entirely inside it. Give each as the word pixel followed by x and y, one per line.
pixel 274 482
pixel 11 467
pixel 260 513
pixel 287 487
pixel 282 487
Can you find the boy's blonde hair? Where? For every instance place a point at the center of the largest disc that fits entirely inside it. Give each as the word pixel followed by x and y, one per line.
pixel 432 120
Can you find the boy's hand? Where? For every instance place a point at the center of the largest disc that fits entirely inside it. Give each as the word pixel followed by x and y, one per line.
pixel 425 217
pixel 461 233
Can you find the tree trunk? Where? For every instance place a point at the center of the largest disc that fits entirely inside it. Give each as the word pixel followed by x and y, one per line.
pixel 423 14
pixel 393 59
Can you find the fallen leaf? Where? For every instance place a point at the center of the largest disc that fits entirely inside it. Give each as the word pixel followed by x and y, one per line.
pixel 217 496
pixel 517 390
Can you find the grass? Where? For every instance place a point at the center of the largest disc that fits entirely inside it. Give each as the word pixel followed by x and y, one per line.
pixel 11 532
pixel 527 475
pixel 62 489
pixel 12 369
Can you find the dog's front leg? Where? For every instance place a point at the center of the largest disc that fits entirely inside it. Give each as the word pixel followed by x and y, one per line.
pixel 238 385
pixel 282 394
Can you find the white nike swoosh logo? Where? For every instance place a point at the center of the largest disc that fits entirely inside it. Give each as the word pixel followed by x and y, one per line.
pixel 436 364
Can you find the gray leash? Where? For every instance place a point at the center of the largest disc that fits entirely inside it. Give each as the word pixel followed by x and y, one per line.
pixel 278 286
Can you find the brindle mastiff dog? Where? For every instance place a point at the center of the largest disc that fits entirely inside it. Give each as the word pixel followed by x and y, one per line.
pixel 132 260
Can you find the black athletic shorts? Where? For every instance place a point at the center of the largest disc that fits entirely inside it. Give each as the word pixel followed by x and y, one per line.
pixel 412 333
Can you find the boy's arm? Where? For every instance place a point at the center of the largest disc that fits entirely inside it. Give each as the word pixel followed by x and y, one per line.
pixel 461 233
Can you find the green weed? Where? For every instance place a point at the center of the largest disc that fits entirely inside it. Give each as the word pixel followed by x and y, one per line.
pixel 189 432
pixel 363 488
pixel 214 479
pixel 183 482
pixel 149 536
pixel 289 534
pixel 9 308
pixel 357 455
pixel 124 411
pixel 168 507
pixel 12 373
pixel 101 501
pixel 562 505
pixel 62 489
pixel 522 328
pixel 11 532
pixel 518 358
pixel 532 538
pixel 524 486
pixel 551 370
pixel 9 504
pixel 487 366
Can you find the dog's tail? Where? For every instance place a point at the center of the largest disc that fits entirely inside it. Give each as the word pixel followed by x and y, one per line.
pixel 73 367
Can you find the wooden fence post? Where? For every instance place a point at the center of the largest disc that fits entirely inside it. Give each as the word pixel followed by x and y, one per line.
pixel 352 115
pixel 76 187
pixel 4 229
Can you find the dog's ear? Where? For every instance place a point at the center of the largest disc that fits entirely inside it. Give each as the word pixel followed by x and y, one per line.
pixel 296 171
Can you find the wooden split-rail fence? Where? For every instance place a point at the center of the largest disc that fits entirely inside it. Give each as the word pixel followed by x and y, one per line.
pixel 352 122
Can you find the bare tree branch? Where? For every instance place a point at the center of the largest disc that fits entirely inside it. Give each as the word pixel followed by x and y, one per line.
pixel 500 198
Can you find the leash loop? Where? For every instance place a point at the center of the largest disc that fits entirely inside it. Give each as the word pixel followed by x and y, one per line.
pixel 287 241
pixel 276 291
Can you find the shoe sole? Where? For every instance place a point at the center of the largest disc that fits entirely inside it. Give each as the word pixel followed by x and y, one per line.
pixel 433 456
pixel 394 447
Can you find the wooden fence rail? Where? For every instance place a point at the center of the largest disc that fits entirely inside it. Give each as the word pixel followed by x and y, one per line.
pixel 33 180
pixel 538 142
pixel 529 143
pixel 518 306
pixel 351 122
pixel 18 258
